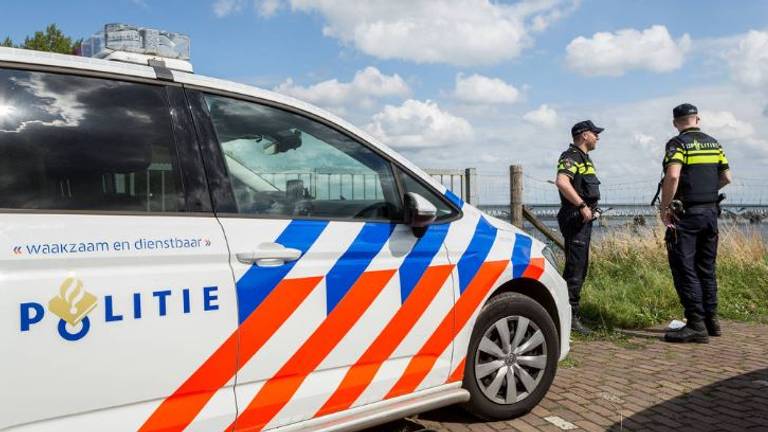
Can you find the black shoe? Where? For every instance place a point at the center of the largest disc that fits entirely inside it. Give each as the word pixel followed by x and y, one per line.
pixel 692 332
pixel 578 327
pixel 713 326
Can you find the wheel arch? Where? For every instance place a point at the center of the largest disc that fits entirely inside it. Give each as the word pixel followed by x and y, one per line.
pixel 535 290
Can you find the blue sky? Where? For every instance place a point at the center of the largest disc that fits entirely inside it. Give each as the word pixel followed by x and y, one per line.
pixel 458 83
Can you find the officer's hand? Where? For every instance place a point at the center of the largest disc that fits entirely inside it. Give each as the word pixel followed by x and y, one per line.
pixel 586 214
pixel 666 218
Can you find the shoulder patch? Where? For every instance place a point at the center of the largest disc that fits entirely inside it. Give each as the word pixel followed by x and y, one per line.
pixel 671 150
pixel 567 163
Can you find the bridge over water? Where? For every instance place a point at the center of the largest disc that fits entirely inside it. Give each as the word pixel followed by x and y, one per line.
pixel 749 212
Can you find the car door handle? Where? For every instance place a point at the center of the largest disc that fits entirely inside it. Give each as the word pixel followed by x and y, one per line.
pixel 269 255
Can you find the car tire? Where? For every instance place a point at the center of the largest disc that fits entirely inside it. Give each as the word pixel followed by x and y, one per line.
pixel 528 359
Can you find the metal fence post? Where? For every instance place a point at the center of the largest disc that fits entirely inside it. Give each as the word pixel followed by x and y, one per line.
pixel 516 195
pixel 470 186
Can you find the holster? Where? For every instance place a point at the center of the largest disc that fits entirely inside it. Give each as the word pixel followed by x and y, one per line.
pixel 677 208
pixel 720 198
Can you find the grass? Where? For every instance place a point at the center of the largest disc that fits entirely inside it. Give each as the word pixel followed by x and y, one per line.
pixel 629 284
pixel 569 362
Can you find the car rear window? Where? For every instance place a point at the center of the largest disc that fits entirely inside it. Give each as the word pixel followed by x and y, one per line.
pixel 80 143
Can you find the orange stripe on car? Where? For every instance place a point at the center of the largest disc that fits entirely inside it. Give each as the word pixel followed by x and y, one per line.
pixel 458 373
pixel 467 304
pixel 535 268
pixel 362 373
pixel 279 389
pixel 181 408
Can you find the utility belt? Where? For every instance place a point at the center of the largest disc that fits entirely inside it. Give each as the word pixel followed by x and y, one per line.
pixel 568 206
pixel 689 206
pixel 679 207
pixel 571 211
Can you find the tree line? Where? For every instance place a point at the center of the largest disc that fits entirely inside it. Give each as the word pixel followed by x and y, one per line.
pixel 52 39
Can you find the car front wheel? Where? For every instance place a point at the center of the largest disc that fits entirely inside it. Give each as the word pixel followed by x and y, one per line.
pixel 512 357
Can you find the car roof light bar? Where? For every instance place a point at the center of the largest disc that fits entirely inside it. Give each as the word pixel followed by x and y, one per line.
pixel 133 44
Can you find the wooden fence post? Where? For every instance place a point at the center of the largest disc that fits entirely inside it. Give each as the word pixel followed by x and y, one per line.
pixel 470 186
pixel 516 195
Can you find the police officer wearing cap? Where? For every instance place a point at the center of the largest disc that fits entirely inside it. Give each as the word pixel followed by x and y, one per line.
pixel 695 168
pixel 579 192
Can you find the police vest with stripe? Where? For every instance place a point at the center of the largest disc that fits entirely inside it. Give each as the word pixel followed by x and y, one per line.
pixel 702 160
pixel 584 179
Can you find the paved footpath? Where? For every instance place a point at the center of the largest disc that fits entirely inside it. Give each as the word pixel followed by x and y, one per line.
pixel 643 384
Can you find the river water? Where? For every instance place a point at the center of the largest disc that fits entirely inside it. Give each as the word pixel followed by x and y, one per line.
pixel 613 224
pixel 625 216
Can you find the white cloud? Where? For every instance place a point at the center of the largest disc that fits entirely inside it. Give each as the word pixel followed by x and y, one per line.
pixel 543 116
pixel 478 89
pixel 488 158
pixel 725 126
pixel 630 151
pixel 542 21
pixel 613 54
pixel 267 8
pixel 647 144
pixel 644 140
pixel 749 61
pixel 459 32
pixel 367 84
pixel 417 125
pixel 222 8
pixel 729 114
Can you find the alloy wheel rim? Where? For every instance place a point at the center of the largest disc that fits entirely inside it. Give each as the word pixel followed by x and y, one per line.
pixel 510 360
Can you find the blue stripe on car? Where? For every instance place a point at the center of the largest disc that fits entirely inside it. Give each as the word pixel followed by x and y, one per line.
pixel 419 258
pixel 521 254
pixel 355 260
pixel 476 253
pixel 256 284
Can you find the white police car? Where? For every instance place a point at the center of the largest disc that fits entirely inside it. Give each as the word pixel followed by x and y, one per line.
pixel 187 253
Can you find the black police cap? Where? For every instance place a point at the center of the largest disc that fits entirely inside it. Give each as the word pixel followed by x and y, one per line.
pixel 684 110
pixel 584 126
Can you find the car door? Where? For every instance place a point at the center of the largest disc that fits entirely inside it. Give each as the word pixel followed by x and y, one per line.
pixel 336 295
pixel 115 280
pixel 468 243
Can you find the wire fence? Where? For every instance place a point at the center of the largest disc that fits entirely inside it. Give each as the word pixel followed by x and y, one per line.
pixel 328 185
pixel 454 180
pixel 494 189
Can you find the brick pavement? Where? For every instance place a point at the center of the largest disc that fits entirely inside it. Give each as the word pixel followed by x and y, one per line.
pixel 644 384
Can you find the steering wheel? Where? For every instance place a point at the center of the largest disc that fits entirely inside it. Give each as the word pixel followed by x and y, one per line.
pixel 303 208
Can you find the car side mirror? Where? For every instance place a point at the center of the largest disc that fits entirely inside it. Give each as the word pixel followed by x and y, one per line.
pixel 419 212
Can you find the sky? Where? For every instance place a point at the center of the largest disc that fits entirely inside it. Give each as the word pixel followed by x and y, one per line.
pixel 485 84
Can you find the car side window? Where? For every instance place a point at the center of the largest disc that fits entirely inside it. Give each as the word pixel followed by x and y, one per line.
pixel 79 143
pixel 410 184
pixel 282 164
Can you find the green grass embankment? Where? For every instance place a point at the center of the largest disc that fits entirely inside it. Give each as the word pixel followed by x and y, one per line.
pixel 630 286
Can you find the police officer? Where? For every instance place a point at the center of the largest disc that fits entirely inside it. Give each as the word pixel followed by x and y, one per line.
pixel 579 192
pixel 695 168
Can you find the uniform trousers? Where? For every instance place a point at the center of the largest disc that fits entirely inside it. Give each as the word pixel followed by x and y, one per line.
pixel 577 235
pixel 692 251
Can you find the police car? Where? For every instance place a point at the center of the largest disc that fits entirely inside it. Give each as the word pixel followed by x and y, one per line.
pixel 186 253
